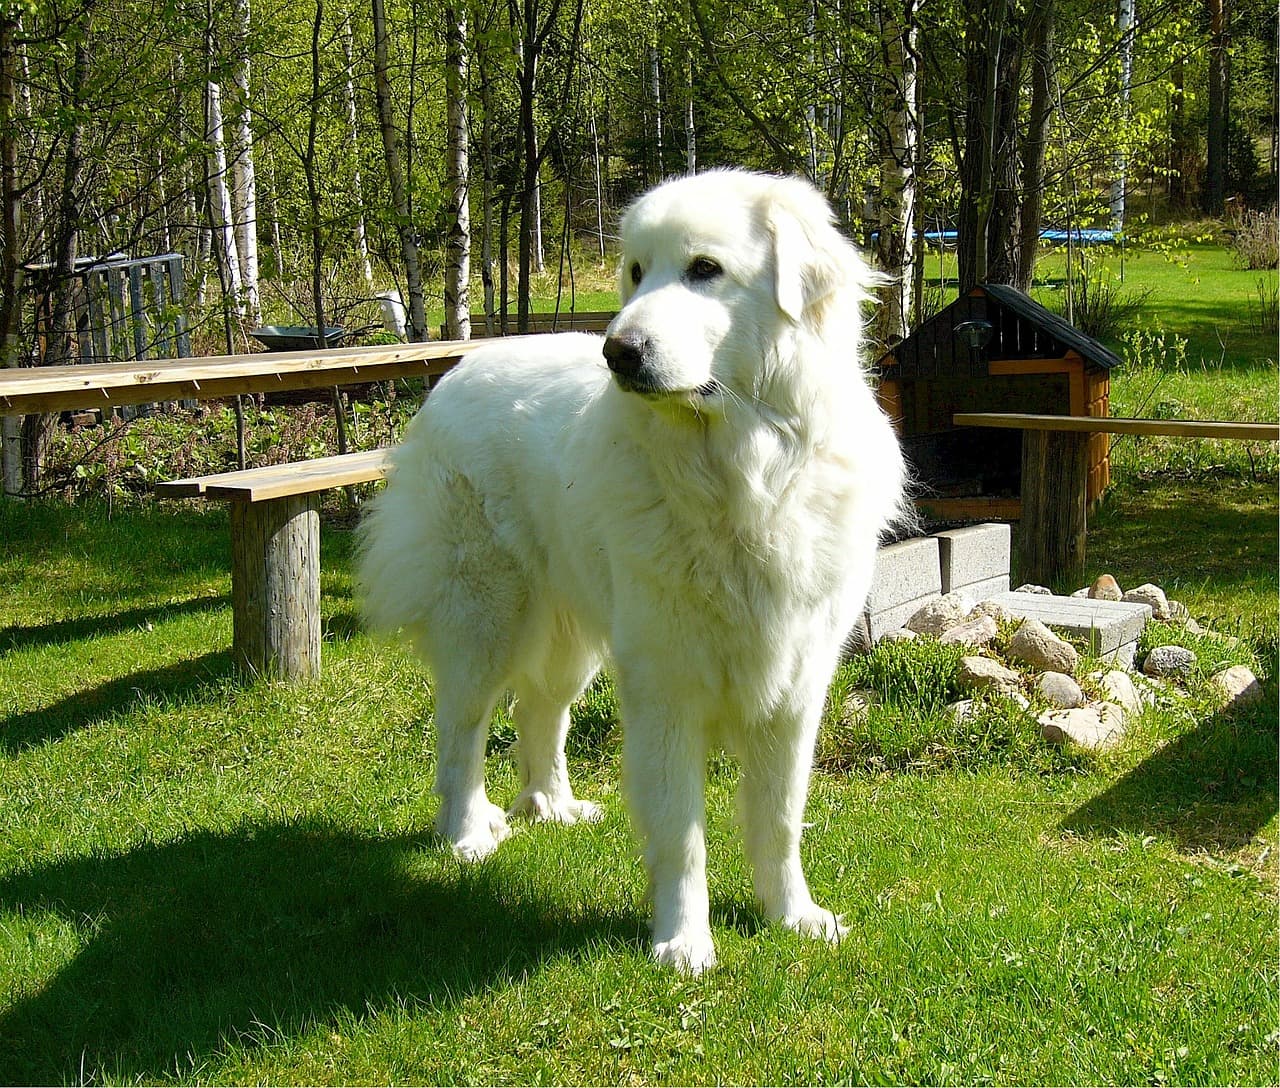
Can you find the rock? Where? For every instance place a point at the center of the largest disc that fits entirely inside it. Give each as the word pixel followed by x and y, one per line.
pixel 991 608
pixel 1117 685
pixel 1154 597
pixel 981 673
pixel 1082 592
pixel 1040 648
pixel 962 711
pixel 1179 613
pixel 1193 627
pixel 900 635
pixel 939 615
pixel 1166 661
pixel 1106 588
pixel 976 632
pixel 1096 726
pixel 1029 587
pixel 1060 690
pixel 1237 688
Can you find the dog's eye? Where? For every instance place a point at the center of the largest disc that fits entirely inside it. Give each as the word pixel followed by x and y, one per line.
pixel 703 269
pixel 636 274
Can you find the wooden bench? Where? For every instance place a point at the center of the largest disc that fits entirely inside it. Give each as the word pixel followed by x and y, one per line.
pixel 275 554
pixel 1051 536
pixel 564 321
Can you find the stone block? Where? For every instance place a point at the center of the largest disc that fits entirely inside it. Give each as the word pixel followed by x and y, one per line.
pixel 908 575
pixel 1109 628
pixel 974 560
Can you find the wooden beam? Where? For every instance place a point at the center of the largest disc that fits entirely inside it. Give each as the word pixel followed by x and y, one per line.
pixel 1176 428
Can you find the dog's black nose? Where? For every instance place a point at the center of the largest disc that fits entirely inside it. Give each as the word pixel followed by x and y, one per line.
pixel 625 354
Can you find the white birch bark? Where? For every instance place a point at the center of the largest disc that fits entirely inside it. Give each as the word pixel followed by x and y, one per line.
pixel 220 194
pixel 899 36
pixel 457 271
pixel 353 134
pixel 244 190
pixel 1128 16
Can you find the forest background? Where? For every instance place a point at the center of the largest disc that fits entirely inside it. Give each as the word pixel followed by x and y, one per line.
pixel 304 156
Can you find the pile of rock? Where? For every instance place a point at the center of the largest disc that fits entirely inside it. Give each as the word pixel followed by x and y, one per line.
pixel 1089 711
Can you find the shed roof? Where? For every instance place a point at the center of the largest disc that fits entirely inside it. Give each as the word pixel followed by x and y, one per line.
pixel 1020 329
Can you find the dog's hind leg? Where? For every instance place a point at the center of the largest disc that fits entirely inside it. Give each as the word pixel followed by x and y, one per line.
pixel 542 718
pixel 466 818
pixel 772 792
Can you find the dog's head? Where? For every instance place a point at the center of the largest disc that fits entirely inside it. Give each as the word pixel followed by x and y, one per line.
pixel 719 270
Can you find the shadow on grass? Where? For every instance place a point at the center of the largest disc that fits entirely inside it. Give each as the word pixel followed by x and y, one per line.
pixel 60 631
pixel 1212 789
pixel 82 709
pixel 258 935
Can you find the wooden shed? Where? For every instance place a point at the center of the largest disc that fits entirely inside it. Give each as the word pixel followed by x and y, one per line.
pixel 992 350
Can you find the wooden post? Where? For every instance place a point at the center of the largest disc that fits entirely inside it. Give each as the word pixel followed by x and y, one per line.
pixel 275 586
pixel 1055 469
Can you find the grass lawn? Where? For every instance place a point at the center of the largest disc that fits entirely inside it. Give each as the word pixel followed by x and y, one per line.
pixel 205 880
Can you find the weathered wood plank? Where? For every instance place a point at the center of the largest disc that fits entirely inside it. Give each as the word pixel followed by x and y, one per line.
pixel 1178 428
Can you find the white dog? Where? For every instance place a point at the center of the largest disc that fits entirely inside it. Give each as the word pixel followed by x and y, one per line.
pixel 699 498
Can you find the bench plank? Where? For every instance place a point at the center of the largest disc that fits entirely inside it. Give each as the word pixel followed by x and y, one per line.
pixel 282 481
pixel 99 385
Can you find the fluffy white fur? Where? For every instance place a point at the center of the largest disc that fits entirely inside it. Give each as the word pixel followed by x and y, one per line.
pixel 707 519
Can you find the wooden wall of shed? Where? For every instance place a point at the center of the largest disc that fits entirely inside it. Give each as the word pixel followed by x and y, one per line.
pixel 1098 403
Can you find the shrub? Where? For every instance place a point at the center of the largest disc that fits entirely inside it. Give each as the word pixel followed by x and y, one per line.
pixel 1255 239
pixel 1100 308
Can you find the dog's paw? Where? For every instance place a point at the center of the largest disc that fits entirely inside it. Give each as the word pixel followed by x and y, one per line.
pixel 817 923
pixel 539 807
pixel 481 833
pixel 688 953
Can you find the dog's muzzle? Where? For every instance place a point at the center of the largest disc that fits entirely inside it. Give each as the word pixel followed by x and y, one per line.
pixel 630 357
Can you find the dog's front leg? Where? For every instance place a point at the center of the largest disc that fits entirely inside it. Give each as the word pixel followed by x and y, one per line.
pixel 774 786
pixel 664 767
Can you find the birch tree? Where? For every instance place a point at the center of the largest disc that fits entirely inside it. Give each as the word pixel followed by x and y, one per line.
pixel 244 190
pixel 396 175
pixel 220 197
pixel 457 270
pixel 900 137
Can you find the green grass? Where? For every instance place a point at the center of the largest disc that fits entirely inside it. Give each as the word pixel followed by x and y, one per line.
pixel 207 881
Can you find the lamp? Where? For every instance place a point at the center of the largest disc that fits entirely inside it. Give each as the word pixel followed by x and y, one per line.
pixel 976 335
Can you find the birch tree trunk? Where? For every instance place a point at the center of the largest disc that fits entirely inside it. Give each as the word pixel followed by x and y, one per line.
pixel 1127 21
pixel 220 197
pixel 353 131
pixel 244 191
pixel 395 176
pixel 899 36
pixel 457 271
pixel 690 131
pixel 1213 196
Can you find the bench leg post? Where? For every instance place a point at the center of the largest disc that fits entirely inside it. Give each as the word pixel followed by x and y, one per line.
pixel 1051 536
pixel 275 586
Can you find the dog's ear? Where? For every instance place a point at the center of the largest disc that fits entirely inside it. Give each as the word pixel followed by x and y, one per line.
pixel 812 260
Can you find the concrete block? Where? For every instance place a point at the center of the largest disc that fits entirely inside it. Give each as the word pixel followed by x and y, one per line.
pixel 972 555
pixel 908 575
pixel 1109 628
